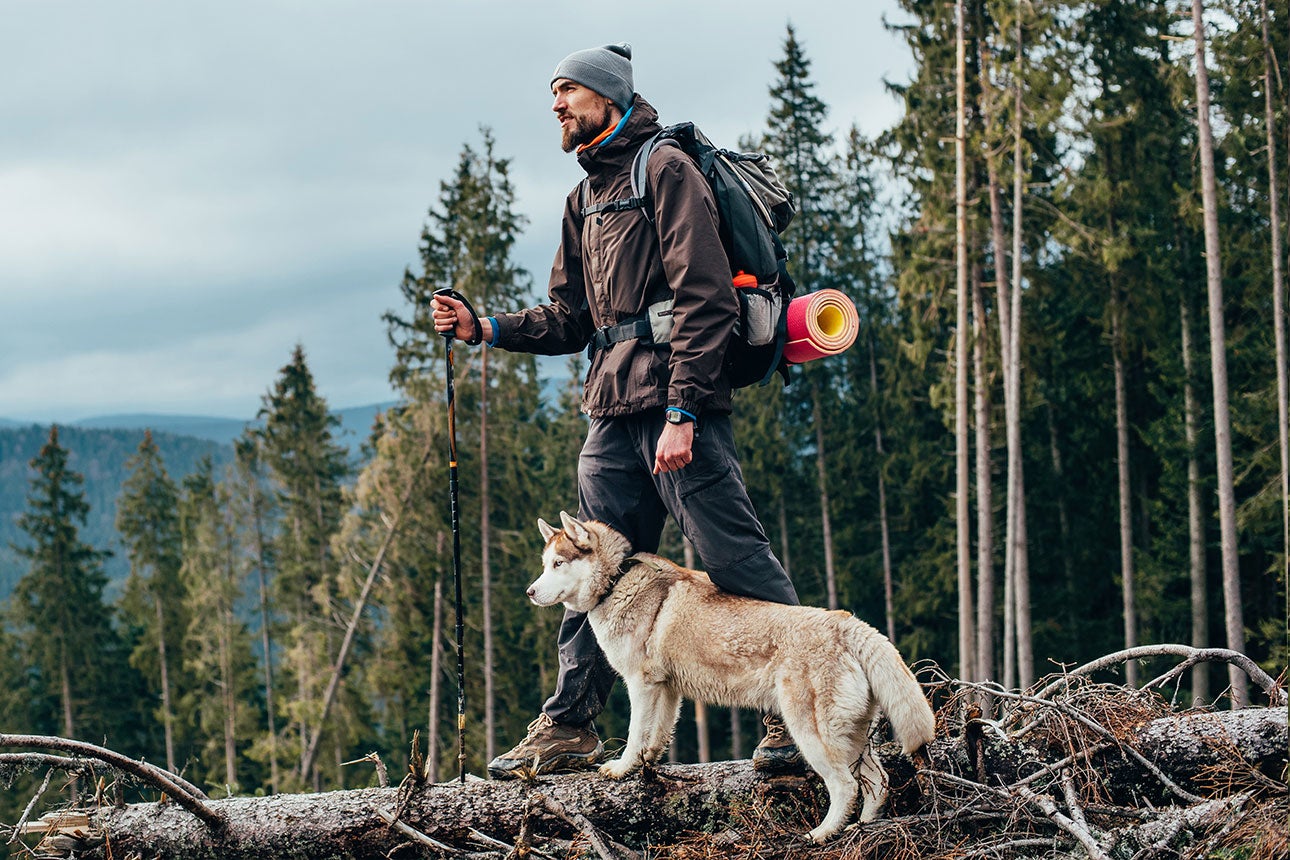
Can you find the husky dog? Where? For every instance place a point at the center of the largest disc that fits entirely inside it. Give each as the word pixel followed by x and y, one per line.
pixel 671 633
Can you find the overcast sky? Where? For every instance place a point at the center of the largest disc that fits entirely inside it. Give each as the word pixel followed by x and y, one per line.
pixel 189 189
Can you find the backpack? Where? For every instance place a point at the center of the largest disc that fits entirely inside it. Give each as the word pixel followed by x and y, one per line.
pixel 753 208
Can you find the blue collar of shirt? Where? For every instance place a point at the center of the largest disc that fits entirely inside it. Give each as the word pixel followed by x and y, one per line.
pixel 622 122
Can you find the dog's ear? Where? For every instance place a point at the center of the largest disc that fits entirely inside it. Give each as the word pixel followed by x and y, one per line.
pixel 546 529
pixel 576 531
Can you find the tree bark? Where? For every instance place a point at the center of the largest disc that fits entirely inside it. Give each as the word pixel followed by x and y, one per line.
pixel 1232 614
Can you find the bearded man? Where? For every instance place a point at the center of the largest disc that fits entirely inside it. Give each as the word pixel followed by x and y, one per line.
pixel 659 441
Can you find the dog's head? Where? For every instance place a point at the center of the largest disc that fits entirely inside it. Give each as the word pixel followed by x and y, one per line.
pixel 571 566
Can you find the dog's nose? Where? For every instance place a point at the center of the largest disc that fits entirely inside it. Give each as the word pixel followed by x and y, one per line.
pixel 531 592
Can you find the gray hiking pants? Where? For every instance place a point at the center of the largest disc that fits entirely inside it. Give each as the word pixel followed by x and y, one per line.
pixel 709 502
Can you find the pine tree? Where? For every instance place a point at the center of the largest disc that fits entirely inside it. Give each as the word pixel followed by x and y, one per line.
pixel 306 466
pixel 218 643
pixel 467 244
pixel 254 512
pixel 148 521
pixel 802 152
pixel 57 608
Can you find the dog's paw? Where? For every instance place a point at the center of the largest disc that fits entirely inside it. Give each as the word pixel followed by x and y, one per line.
pixel 821 834
pixel 616 769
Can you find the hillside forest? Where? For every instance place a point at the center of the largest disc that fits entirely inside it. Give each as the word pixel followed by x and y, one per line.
pixel 1060 432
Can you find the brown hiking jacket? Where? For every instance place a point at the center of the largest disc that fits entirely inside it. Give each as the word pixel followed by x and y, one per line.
pixel 611 265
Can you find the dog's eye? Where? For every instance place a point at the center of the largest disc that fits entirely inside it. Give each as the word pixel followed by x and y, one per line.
pixel 559 562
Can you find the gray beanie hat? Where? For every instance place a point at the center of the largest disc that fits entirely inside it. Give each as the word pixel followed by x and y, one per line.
pixel 607 70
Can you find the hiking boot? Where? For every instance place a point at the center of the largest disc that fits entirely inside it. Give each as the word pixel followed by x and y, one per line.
pixel 548 748
pixel 777 753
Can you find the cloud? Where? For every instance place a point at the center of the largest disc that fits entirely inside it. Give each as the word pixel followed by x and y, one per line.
pixel 192 188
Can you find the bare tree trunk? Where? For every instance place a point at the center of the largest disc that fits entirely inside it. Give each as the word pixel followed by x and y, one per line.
pixel 65 683
pixel 1021 587
pixel 167 714
pixel 984 490
pixel 963 489
pixel 1010 629
pixel 229 696
pixel 1278 301
pixel 821 474
pixel 736 736
pixel 1125 490
pixel 1018 542
pixel 436 663
pixel 1218 363
pixel 1195 514
pixel 888 586
pixel 69 723
pixel 485 565
pixel 265 643
pixel 1003 310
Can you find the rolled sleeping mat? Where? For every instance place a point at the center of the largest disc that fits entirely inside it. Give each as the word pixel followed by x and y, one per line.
pixel 820 324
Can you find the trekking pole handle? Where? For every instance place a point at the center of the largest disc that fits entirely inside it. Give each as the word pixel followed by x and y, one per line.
pixel 478 335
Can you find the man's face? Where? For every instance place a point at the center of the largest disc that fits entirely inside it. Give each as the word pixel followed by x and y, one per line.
pixel 583 113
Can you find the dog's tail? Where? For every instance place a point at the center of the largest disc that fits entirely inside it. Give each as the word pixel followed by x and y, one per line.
pixel 894 686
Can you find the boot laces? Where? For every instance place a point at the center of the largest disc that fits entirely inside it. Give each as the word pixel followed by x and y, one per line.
pixel 542 723
pixel 774 730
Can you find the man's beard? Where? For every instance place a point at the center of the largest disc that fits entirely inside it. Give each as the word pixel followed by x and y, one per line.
pixel 584 130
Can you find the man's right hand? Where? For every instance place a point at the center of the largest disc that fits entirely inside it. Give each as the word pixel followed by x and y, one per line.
pixel 451 315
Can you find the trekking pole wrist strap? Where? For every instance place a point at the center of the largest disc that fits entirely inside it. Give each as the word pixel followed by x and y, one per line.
pixel 477 330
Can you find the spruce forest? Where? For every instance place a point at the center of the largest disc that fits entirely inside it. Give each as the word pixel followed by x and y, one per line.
pixel 1060 433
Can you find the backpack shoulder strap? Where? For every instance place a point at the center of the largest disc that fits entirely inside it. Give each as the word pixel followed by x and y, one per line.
pixel 640 165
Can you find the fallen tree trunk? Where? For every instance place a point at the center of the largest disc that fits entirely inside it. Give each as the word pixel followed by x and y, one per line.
pixel 962 777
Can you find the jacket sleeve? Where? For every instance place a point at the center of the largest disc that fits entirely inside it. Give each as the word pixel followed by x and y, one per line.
pixel 563 325
pixel 705 306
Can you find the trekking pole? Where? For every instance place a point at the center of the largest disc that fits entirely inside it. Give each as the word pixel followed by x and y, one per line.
pixel 456 533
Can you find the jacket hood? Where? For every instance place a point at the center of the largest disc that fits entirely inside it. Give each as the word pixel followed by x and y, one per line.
pixel 619 152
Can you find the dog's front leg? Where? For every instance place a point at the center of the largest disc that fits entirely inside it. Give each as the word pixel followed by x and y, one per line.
pixel 645 704
pixel 668 708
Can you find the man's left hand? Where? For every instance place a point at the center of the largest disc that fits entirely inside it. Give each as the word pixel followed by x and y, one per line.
pixel 675 447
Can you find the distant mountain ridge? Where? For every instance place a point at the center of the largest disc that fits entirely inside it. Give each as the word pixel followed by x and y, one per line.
pixel 356 424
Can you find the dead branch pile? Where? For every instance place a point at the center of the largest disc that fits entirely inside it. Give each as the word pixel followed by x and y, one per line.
pixel 1071 768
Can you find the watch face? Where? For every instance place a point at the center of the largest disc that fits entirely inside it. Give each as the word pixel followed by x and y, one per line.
pixel 674 417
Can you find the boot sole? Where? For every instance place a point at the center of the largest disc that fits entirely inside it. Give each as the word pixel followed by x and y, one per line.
pixel 555 764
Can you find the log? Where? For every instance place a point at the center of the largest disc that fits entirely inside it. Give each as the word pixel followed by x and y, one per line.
pixel 349 824
pixel 665 806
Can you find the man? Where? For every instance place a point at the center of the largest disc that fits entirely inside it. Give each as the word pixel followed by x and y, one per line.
pixel 660 440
